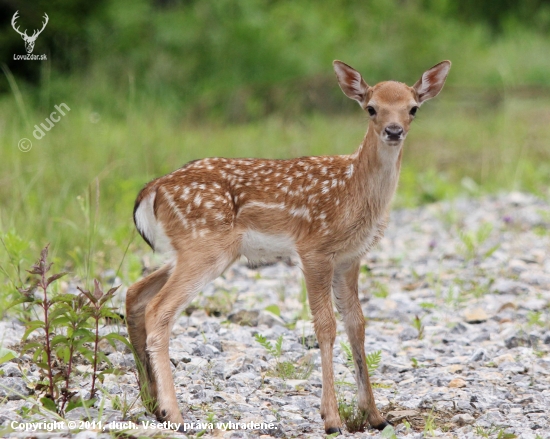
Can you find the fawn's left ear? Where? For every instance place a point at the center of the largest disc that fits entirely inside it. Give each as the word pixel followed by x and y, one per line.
pixel 432 81
pixel 351 82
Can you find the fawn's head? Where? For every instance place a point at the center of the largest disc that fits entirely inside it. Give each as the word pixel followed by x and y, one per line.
pixel 391 105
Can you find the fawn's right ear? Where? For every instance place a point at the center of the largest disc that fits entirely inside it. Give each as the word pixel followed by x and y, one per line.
pixel 351 82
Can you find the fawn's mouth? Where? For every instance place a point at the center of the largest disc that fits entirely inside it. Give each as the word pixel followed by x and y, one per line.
pixel 392 139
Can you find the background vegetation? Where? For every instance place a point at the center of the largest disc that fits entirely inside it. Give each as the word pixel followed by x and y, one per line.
pixel 153 84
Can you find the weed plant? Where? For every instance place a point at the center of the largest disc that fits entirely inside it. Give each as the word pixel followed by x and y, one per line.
pixel 285 369
pixel 65 330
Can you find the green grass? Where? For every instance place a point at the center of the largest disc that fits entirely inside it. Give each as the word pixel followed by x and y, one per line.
pixel 76 187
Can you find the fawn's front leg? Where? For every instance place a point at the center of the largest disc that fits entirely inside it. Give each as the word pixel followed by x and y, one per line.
pixel 346 296
pixel 318 274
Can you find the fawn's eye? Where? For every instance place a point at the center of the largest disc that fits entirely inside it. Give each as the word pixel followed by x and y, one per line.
pixel 371 111
pixel 413 111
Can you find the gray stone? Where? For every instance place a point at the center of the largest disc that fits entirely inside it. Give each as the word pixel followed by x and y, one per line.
pixel 10 370
pixel 512 367
pixel 520 338
pixel 483 336
pixel 397 415
pixel 463 419
pixel 244 317
pixel 534 278
pixel 86 434
pixel 269 319
pixel 479 355
pixel 13 388
pixel 507 286
pixel 408 333
pixel 122 360
pixel 459 328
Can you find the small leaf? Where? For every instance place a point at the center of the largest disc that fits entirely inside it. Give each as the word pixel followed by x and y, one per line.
pixel 58 339
pixel 89 295
pixel 112 291
pixel 279 346
pixel 31 345
pixel 20 301
pixel 49 404
pixel 373 360
pixel 31 327
pixel 54 277
pixel 274 309
pixel 35 269
pixel 83 332
pixel 58 377
pixel 44 253
pixel 98 292
pixel 7 355
pixel 63 298
pixel 59 322
pixel 79 403
pixel 112 336
pixel 389 433
pixel 66 352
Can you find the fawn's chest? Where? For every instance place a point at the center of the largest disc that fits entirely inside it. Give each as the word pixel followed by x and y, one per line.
pixel 363 238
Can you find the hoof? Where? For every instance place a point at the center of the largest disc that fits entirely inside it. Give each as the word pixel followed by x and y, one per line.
pixel 382 425
pixel 333 430
pixel 181 429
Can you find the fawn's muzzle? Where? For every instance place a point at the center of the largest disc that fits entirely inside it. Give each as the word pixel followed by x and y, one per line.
pixel 394 132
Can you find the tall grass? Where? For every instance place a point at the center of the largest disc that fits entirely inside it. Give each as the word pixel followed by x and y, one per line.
pixel 155 87
pixel 77 186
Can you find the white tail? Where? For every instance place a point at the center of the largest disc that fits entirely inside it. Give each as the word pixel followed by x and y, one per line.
pixel 324 211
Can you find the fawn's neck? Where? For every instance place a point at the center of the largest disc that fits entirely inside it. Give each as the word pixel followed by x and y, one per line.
pixel 378 165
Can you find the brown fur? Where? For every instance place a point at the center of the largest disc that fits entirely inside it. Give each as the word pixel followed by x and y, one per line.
pixel 327 210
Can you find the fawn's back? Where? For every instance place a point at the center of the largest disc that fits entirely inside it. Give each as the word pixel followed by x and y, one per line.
pixel 272 206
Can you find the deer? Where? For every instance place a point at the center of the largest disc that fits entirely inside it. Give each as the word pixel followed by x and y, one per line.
pixel 325 212
pixel 29 41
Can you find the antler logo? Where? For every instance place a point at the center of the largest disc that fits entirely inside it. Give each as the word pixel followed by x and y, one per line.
pixel 29 41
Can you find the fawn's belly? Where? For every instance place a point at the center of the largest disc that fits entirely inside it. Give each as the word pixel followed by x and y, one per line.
pixel 263 248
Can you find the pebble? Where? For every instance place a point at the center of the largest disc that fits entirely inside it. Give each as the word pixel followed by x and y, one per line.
pixel 13 388
pixel 463 419
pixel 480 358
pixel 477 315
pixel 457 382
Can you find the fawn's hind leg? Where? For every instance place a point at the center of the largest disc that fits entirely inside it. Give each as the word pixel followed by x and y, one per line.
pixel 192 271
pixel 137 298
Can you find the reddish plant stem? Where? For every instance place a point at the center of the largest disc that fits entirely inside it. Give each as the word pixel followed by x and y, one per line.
pixel 46 307
pixel 96 317
pixel 69 370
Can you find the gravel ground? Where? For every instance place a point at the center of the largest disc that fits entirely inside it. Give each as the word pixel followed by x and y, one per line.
pixel 456 298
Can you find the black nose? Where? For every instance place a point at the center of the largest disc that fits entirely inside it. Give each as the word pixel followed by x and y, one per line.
pixel 394 132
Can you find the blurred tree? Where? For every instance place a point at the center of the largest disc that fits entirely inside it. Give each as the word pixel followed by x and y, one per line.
pixel 496 13
pixel 244 59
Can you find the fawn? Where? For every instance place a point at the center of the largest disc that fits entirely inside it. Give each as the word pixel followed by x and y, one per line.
pixel 326 212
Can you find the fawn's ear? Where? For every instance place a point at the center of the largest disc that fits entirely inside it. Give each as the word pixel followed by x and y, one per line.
pixel 351 82
pixel 432 81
